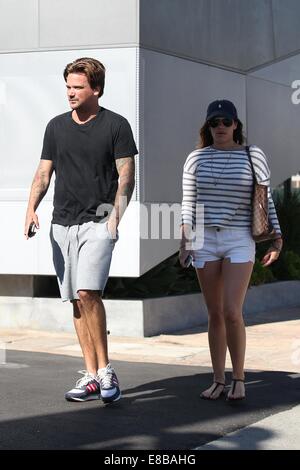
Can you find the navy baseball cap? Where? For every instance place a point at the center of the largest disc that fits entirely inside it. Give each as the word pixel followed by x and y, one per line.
pixel 221 108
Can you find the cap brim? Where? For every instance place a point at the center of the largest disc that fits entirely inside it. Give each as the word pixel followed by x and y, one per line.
pixel 220 114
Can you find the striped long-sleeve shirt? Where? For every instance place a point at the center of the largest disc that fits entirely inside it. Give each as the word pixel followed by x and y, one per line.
pixel 222 181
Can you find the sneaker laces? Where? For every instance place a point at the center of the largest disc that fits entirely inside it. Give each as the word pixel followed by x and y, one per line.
pixel 88 377
pixel 106 377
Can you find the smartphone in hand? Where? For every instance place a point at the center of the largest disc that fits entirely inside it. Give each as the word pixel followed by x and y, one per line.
pixel 31 230
pixel 188 261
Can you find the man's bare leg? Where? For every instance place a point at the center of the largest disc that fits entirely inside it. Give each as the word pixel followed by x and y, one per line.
pixel 84 337
pixel 94 314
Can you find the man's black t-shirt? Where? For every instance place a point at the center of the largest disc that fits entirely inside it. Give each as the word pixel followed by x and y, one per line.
pixel 83 158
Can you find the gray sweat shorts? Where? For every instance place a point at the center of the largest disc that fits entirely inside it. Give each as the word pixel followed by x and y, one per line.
pixel 81 256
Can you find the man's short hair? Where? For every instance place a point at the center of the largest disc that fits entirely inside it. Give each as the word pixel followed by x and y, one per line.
pixel 92 68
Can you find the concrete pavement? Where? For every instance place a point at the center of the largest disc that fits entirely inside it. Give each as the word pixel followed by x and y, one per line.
pixel 273 343
pixel 162 370
pixel 277 432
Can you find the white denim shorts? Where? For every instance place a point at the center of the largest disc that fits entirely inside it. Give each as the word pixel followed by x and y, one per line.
pixel 219 243
pixel 81 256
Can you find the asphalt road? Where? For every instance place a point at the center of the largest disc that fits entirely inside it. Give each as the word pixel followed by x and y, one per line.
pixel 160 408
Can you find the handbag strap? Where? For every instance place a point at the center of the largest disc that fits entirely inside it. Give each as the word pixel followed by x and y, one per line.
pixel 251 163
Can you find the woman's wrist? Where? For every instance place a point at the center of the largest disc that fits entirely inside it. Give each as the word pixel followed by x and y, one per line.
pixel 182 246
pixel 276 244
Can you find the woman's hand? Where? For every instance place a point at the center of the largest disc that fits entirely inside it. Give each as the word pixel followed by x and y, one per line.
pixel 184 257
pixel 272 253
pixel 269 258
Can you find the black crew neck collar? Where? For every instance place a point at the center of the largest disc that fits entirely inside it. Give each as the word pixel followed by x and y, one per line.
pixel 86 124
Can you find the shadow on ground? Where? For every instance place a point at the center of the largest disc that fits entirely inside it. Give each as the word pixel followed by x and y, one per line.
pixel 160 409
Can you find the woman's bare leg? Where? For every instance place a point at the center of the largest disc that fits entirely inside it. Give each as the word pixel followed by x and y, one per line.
pixel 211 283
pixel 236 280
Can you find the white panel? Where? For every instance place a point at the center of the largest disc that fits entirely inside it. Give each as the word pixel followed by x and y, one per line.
pixel 18 24
pixel 175 96
pixel 34 256
pixel 17 255
pixel 44 249
pixel 96 22
pixel 32 91
pixel 274 125
pixel 126 254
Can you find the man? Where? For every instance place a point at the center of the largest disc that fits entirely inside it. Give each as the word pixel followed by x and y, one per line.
pixel 90 148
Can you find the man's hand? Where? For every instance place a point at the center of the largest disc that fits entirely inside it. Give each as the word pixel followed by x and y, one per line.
pixel 112 228
pixel 39 188
pixel 30 218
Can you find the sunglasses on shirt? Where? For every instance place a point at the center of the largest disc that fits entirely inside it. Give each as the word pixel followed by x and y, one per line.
pixel 225 121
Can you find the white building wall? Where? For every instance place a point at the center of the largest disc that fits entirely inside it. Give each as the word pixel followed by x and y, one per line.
pixel 173 101
pixel 274 125
pixel 174 94
pixel 36 25
pixel 159 78
pixel 32 91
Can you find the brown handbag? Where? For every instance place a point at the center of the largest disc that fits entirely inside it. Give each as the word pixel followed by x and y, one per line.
pixel 262 228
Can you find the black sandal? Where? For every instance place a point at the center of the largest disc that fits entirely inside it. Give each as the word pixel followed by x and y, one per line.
pixel 210 397
pixel 234 381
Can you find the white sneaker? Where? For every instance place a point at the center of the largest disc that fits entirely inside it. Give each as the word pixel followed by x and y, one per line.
pixel 86 388
pixel 109 384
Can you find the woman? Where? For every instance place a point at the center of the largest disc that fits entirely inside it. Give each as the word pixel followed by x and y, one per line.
pixel 219 175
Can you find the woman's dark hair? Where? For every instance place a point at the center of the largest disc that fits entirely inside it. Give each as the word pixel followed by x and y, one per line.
pixel 206 138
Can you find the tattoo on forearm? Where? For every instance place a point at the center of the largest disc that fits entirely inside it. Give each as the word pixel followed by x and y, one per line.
pixel 126 170
pixel 120 162
pixel 39 187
